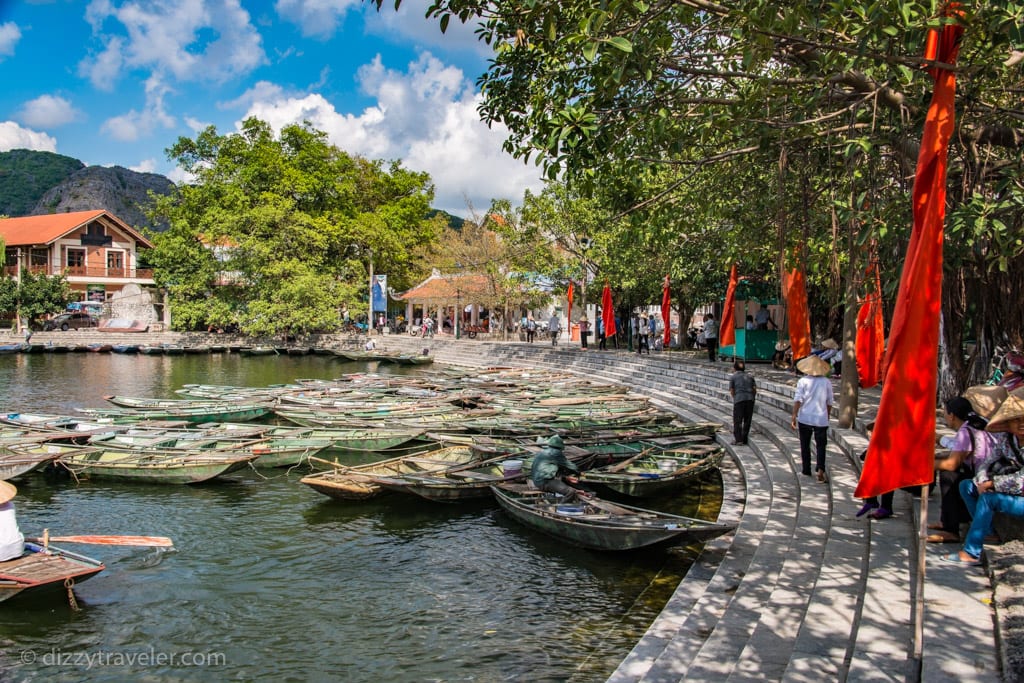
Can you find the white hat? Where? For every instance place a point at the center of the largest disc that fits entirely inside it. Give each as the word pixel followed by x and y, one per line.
pixel 814 366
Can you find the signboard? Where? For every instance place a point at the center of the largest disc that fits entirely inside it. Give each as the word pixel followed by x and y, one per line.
pixel 96 293
pixel 379 301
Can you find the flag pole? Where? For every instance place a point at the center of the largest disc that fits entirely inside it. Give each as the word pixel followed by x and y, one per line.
pixel 915 672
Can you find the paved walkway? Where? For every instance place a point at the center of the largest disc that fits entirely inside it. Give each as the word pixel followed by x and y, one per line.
pixel 803 590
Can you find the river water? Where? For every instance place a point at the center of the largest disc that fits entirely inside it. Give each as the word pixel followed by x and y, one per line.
pixel 272 581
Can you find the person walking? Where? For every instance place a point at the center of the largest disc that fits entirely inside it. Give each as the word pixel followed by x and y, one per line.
pixel 743 390
pixel 643 336
pixel 711 336
pixel 601 339
pixel 554 328
pixel 812 405
pixel 531 328
pixel 584 331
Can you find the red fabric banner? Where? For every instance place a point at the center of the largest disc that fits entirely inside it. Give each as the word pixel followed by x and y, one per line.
pixel 727 332
pixel 666 310
pixel 902 446
pixel 569 297
pixel 797 313
pixel 871 333
pixel 608 312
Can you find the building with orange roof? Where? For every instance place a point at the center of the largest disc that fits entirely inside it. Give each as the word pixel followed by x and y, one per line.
pixel 95 251
pixel 439 296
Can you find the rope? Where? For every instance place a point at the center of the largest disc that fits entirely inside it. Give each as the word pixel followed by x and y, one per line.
pixel 69 583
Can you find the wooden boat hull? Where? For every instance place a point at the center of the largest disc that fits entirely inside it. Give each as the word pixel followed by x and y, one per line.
pixel 36 573
pixel 356 483
pixel 600 525
pixel 657 473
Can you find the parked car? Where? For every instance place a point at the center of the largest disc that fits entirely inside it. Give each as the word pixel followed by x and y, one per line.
pixel 71 321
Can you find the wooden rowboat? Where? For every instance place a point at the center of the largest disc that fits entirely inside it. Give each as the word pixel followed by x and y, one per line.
pixel 38 572
pixel 356 483
pixel 600 525
pixel 149 467
pixel 656 471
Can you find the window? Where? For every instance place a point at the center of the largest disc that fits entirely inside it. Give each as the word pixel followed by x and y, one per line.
pixel 76 259
pixel 115 263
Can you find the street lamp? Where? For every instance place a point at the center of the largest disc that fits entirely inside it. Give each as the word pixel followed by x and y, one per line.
pixel 458 313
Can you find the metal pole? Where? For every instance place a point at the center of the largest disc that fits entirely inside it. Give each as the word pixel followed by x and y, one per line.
pixel 458 313
pixel 370 316
pixel 917 664
pixel 17 311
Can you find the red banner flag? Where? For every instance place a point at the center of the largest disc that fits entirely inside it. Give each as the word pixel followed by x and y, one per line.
pixel 871 333
pixel 569 297
pixel 727 333
pixel 902 446
pixel 797 313
pixel 608 312
pixel 666 310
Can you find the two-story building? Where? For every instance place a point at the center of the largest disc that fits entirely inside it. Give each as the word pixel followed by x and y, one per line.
pixel 94 250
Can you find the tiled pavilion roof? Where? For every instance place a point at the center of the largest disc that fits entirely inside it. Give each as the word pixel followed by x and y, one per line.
pixel 439 287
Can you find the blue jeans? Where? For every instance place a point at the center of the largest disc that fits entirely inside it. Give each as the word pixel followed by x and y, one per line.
pixel 982 508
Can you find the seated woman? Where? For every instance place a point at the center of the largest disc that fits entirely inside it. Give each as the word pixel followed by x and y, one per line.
pixel 998 485
pixel 12 542
pixel 967 449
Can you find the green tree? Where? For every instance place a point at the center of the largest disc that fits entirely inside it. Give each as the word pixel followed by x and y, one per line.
pixel 276 232
pixel 827 98
pixel 35 296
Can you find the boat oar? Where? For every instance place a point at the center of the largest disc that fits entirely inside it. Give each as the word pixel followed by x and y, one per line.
pixel 626 463
pixel 148 541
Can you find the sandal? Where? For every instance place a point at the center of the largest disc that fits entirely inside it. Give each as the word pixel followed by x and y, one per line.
pixel 936 526
pixel 880 513
pixel 943 537
pixel 956 559
pixel 866 508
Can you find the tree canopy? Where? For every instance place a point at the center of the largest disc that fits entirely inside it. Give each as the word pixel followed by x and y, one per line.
pixel 765 129
pixel 277 232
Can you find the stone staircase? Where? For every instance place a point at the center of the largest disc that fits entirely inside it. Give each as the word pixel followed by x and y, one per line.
pixel 803 590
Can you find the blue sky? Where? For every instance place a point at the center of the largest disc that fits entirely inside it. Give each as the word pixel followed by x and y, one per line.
pixel 116 82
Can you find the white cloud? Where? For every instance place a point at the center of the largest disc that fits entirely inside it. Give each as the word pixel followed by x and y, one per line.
pixel 410 23
pixel 180 176
pixel 144 166
pixel 195 125
pixel 48 111
pixel 316 18
pixel 10 34
pixel 426 117
pixel 174 38
pixel 133 125
pixel 13 136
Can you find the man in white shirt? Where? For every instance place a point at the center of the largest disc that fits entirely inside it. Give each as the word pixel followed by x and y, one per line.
pixel 12 542
pixel 812 405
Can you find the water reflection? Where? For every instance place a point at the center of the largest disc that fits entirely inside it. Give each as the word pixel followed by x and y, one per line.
pixel 286 584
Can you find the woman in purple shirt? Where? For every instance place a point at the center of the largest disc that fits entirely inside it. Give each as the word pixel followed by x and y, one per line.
pixel 967 449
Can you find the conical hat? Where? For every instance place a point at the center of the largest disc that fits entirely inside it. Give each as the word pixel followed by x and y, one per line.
pixel 7 491
pixel 1012 408
pixel 814 366
pixel 986 399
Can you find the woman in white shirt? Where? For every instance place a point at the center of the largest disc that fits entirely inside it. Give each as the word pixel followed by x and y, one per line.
pixel 12 542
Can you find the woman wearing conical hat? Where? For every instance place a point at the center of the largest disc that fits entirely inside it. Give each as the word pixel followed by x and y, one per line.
pixel 12 542
pixel 812 404
pixel 998 485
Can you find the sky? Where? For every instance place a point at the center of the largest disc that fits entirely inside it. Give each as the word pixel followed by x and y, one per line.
pixel 117 82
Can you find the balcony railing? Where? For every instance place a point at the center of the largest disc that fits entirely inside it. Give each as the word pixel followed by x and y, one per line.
pixel 85 271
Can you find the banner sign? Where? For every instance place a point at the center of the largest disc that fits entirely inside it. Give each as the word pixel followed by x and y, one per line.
pixel 379 294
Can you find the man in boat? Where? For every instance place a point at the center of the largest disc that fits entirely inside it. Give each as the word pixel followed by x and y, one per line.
pixel 12 542
pixel 552 471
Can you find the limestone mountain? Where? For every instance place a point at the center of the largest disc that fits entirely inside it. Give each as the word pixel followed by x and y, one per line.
pixel 35 183
pixel 123 192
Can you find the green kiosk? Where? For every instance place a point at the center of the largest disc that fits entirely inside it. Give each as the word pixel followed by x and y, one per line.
pixel 768 316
